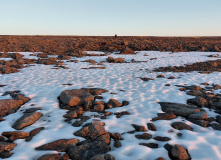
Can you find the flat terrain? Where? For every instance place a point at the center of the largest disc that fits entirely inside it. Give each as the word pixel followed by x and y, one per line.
pixel 77 44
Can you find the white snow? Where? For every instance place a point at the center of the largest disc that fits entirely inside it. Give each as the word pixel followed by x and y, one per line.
pixel 43 84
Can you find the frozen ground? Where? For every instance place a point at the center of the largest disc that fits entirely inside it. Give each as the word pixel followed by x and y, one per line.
pixel 43 84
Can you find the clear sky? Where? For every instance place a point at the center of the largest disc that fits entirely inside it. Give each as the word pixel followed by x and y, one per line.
pixel 109 17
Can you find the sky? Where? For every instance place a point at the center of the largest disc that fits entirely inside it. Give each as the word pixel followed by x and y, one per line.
pixel 110 17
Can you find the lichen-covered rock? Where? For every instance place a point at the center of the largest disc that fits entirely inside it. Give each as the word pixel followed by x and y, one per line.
pixel 13 135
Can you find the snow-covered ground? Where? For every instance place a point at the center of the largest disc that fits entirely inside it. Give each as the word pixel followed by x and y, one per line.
pixel 43 85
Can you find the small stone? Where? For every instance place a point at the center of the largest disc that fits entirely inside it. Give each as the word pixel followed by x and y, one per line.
pixel 151 126
pixel 139 128
pixel 150 145
pixel 163 139
pixel 179 152
pixel 144 136
pixel 117 144
pixel 181 126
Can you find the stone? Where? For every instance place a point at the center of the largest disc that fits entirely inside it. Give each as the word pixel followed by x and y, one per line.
pixel 6 146
pixel 60 145
pixel 13 135
pixel 151 126
pixel 88 150
pixel 179 152
pixel 181 126
pixel 199 101
pixel 95 91
pixel 127 50
pixel 201 123
pixel 114 103
pixel 71 115
pixel 216 126
pixel 117 144
pixel 115 136
pixel 164 116
pixel 99 107
pixel 21 97
pixel 139 128
pixel 98 157
pixel 160 76
pixel 125 103
pixel 109 157
pixel 8 106
pixel 75 97
pixel 179 109
pixel 199 115
pixel 77 123
pixel 50 157
pixel 91 131
pixel 33 133
pixel 105 138
pixel 150 145
pixel 144 136
pixel 26 120
pixel 163 139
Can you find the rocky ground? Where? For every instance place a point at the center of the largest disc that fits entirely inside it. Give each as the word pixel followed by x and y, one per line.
pixel 103 106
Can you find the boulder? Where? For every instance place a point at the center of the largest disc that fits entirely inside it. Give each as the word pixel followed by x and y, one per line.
pixel 179 109
pixel 8 106
pixel 91 131
pixel 75 97
pixel 113 103
pixel 139 128
pixel 88 150
pixel 13 135
pixel 60 145
pixel 26 120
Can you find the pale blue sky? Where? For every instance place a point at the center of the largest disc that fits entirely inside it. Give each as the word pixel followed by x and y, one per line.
pixel 109 17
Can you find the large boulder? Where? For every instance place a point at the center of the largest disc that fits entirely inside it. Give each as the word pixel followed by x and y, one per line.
pixel 179 109
pixel 26 120
pixel 75 97
pixel 88 150
pixel 60 145
pixel 8 106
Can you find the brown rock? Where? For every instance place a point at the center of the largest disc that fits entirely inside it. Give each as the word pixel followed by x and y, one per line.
pixel 50 157
pixel 127 51
pixel 99 107
pixel 144 136
pixel 179 152
pixel 6 146
pixel 26 120
pixel 33 133
pixel 150 145
pixel 15 135
pixel 139 128
pixel 151 126
pixel 91 131
pixel 181 126
pixel 164 116
pixel 60 145
pixel 75 97
pixel 163 139
pixel 8 106
pixel 114 103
